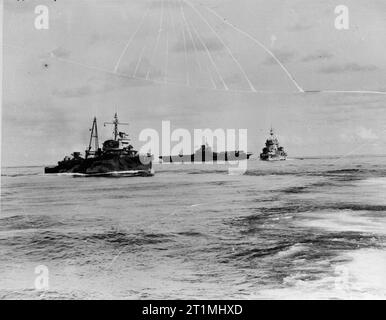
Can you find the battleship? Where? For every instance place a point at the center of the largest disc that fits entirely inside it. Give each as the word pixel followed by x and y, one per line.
pixel 272 150
pixel 116 157
pixel 206 154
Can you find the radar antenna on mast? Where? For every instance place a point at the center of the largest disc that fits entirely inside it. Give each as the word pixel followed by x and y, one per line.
pixel 115 123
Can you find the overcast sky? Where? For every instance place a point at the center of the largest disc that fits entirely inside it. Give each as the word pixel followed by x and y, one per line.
pixel 199 64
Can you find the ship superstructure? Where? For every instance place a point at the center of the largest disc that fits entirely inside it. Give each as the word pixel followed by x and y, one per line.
pixel 206 154
pixel 116 157
pixel 272 150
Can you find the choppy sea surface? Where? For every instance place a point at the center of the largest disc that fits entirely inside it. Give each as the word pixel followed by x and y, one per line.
pixel 301 228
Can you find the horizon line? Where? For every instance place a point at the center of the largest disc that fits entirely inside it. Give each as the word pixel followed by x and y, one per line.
pixel 298 157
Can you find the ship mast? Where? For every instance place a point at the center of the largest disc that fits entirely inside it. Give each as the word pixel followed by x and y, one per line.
pixel 94 135
pixel 271 131
pixel 116 123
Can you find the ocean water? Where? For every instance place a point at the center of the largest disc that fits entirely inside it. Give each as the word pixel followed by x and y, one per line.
pixel 301 228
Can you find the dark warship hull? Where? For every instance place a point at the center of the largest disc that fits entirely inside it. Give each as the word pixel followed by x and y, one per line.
pixel 116 158
pixel 105 165
pixel 214 157
pixel 275 157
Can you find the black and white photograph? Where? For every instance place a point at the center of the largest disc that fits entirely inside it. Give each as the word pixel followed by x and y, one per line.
pixel 193 150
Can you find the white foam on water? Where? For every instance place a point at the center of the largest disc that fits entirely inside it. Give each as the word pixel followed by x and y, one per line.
pixel 363 277
pixel 366 273
pixel 236 171
pixel 65 174
pixel 378 181
pixel 216 208
pixel 374 189
pixel 343 221
pixel 110 173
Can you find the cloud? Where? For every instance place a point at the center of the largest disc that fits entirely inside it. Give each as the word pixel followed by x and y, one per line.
pixel 361 101
pixel 19 6
pixel 212 44
pixel 37 115
pixel 146 70
pixel 293 140
pixel 284 56
pixel 317 56
pixel 366 134
pixel 176 5
pixel 60 52
pixel 348 67
pixel 360 133
pixel 73 92
pixel 299 27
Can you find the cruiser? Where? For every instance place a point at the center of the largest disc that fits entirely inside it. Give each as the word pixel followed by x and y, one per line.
pixel 272 150
pixel 116 158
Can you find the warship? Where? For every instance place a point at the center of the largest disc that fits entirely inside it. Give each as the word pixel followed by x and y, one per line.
pixel 116 157
pixel 272 150
pixel 206 154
